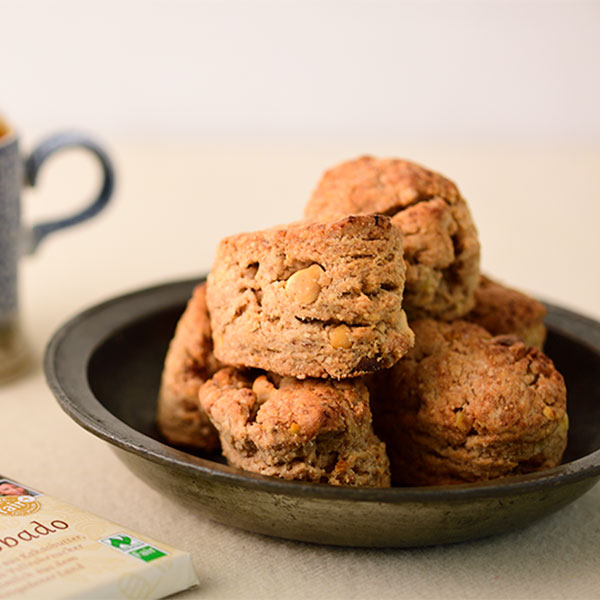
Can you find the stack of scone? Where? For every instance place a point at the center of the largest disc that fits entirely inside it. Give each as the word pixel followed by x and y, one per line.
pixel 367 321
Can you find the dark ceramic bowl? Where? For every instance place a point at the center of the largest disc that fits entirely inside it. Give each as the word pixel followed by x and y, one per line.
pixel 104 368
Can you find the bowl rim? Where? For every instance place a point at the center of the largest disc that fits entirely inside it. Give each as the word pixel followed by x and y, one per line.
pixel 87 410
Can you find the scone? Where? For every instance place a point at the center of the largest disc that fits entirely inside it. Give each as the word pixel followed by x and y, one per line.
pixel 311 300
pixel 441 245
pixel 311 430
pixel 464 406
pixel 188 364
pixel 505 311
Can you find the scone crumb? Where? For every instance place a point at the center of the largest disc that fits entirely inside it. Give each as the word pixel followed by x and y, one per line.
pixel 263 389
pixel 303 286
pixel 294 428
pixel 340 337
pixel 549 413
pixel 461 421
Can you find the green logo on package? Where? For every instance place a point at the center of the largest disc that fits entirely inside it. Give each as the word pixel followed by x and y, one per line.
pixel 147 553
pixel 122 540
pixel 134 547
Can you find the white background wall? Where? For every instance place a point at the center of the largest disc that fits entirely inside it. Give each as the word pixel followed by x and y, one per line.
pixel 222 114
pixel 454 69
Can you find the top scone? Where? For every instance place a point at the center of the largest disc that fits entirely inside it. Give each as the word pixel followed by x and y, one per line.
pixel 311 299
pixel 441 246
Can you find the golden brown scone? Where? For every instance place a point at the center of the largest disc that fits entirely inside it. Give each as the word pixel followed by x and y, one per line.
pixel 441 246
pixel 311 430
pixel 311 299
pixel 188 364
pixel 505 311
pixel 464 406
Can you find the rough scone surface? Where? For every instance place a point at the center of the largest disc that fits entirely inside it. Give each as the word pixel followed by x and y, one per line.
pixel 441 245
pixel 311 299
pixel 464 406
pixel 188 364
pixel 506 311
pixel 312 430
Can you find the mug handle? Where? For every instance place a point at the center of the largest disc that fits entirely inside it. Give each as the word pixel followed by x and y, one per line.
pixel 33 236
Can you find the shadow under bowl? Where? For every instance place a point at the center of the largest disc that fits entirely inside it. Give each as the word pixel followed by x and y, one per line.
pixel 104 367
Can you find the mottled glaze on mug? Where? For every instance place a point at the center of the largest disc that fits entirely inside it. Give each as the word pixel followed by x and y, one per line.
pixel 11 176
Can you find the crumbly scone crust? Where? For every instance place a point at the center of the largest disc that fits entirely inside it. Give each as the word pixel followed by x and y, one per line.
pixel 441 245
pixel 506 311
pixel 464 406
pixel 188 364
pixel 311 430
pixel 311 299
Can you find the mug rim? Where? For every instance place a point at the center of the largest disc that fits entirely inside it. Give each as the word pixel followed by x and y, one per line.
pixel 8 134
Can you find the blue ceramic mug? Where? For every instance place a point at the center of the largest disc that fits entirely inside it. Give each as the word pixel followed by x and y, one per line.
pixel 17 240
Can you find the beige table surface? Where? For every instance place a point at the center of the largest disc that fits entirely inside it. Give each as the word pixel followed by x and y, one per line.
pixel 537 207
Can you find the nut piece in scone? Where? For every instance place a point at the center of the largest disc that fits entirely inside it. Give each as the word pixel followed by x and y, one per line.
pixel 311 430
pixel 311 299
pixel 464 406
pixel 441 245
pixel 505 311
pixel 188 364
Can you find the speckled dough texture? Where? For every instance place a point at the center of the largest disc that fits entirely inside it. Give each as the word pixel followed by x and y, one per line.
pixel 441 245
pixel 311 299
pixel 464 406
pixel 188 364
pixel 506 311
pixel 311 430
